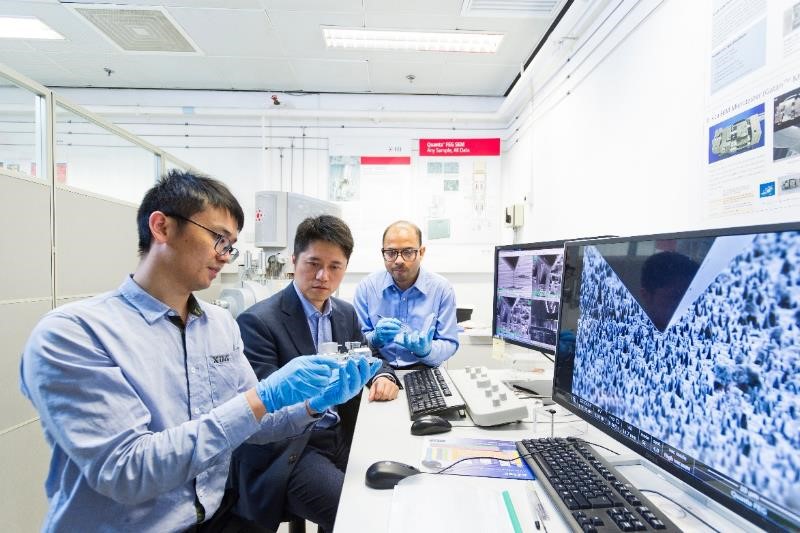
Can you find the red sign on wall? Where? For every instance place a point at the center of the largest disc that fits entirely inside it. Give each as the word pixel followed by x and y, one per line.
pixel 386 160
pixel 459 147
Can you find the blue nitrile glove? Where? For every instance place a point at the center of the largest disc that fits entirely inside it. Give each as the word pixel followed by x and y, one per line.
pixel 385 330
pixel 301 378
pixel 353 375
pixel 417 343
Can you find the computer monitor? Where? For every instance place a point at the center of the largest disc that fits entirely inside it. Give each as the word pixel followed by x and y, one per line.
pixel 686 347
pixel 527 294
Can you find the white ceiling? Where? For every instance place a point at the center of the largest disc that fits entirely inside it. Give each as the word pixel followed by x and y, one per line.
pixel 275 45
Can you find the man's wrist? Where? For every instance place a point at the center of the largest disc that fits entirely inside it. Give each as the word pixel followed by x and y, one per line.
pixel 385 375
pixel 256 404
pixel 310 410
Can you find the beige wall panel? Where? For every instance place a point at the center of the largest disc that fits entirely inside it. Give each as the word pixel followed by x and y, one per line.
pixel 25 239
pixel 16 322
pixel 96 243
pixel 26 457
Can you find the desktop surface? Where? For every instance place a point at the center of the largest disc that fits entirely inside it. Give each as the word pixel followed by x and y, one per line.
pixel 383 433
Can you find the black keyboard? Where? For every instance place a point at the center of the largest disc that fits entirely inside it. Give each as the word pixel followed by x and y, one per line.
pixel 430 391
pixel 591 495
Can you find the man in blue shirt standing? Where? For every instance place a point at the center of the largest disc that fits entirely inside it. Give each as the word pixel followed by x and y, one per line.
pixel 144 392
pixel 407 312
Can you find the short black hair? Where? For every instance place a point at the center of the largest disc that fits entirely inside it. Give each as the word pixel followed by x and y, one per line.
pixel 184 194
pixel 326 228
pixel 664 269
pixel 403 223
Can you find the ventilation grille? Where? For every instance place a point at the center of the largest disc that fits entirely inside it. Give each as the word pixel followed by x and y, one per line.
pixel 508 8
pixel 138 30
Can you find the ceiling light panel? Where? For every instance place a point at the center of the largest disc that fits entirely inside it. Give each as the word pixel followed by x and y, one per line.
pixel 26 28
pixel 373 39
pixel 508 8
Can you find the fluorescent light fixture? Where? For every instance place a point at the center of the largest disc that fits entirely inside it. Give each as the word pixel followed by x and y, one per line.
pixel 434 41
pixel 26 28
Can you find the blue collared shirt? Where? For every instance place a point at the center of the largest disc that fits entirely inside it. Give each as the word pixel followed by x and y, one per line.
pixel 377 294
pixel 320 325
pixel 318 322
pixel 141 415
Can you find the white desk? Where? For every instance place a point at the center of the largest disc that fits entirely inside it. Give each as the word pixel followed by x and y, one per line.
pixel 382 433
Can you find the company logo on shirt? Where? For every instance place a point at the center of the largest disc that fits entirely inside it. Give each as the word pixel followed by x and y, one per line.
pixel 219 359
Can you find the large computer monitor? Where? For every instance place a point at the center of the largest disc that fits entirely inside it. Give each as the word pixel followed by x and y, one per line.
pixel 686 347
pixel 527 294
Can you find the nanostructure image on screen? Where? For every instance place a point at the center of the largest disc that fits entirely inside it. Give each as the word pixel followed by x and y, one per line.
pixel 712 368
pixel 528 285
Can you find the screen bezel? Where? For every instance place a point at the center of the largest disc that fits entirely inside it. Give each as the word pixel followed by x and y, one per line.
pixel 523 247
pixel 559 394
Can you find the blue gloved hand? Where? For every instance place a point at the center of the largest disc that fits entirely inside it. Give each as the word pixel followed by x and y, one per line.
pixel 301 378
pixel 418 343
pixel 385 330
pixel 353 375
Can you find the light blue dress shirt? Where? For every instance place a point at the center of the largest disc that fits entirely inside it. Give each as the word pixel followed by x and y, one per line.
pixel 320 325
pixel 377 294
pixel 140 414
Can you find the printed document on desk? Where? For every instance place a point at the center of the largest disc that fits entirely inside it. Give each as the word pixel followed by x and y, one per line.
pixel 435 504
pixel 439 452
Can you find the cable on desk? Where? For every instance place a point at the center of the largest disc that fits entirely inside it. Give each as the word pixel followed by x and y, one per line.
pixel 599 446
pixel 511 460
pixel 474 425
pixel 685 509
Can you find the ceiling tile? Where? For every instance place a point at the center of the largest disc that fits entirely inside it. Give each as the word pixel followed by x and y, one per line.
pixel 220 4
pixel 257 74
pixel 89 69
pixel 170 72
pixel 390 76
pixel 317 75
pixel 316 6
pixel 439 7
pixel 224 32
pixel 467 78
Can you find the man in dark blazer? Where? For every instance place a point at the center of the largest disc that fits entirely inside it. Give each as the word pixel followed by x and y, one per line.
pixel 304 475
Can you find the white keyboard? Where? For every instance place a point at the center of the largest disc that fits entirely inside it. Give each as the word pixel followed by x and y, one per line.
pixel 489 401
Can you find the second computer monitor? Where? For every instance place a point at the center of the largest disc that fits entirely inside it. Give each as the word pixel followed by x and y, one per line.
pixel 527 293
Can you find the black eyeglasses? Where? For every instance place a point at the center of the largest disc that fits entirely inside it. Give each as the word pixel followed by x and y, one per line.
pixel 222 245
pixel 390 254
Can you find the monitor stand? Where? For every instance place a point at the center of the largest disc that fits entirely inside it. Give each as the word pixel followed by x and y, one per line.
pixel 529 370
pixel 646 475
pixel 526 359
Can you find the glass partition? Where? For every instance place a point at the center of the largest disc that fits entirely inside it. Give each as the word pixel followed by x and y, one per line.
pixel 98 160
pixel 170 164
pixel 21 137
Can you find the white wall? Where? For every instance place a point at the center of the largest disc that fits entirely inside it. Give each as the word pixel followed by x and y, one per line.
pixel 619 148
pixel 616 156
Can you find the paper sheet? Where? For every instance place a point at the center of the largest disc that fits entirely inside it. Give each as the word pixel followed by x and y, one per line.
pixel 441 504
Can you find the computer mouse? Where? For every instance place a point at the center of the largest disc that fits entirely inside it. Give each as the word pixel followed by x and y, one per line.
pixel 386 474
pixel 430 425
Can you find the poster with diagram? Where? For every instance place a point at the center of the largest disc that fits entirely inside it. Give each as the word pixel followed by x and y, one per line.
pixel 453 195
pixel 752 153
pixel 462 190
